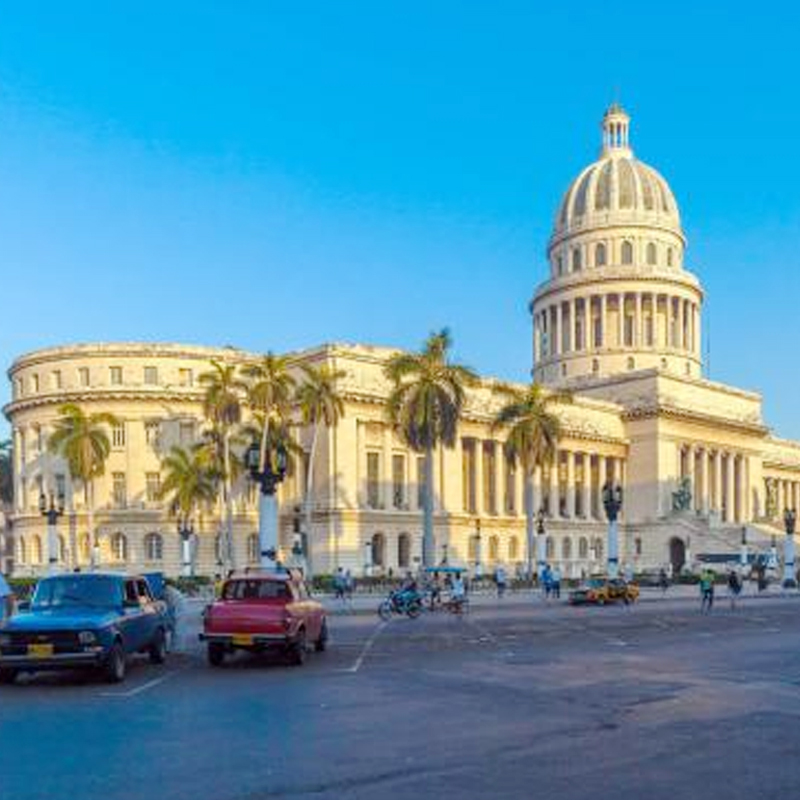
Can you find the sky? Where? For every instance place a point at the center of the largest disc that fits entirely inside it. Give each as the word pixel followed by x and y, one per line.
pixel 276 175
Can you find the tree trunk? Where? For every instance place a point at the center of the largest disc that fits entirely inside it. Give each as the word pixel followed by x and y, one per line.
pixel 94 549
pixel 530 530
pixel 428 554
pixel 307 501
pixel 226 488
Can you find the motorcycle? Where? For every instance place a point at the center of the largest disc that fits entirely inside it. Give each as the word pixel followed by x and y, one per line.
pixel 406 602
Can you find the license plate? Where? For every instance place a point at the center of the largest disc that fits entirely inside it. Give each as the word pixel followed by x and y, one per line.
pixel 40 650
pixel 241 639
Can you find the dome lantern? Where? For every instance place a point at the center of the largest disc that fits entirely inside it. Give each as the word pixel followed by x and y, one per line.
pixel 616 125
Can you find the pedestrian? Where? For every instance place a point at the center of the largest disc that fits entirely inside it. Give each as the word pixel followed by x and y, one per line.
pixel 734 586
pixel 557 583
pixel 500 581
pixel 663 580
pixel 547 581
pixel 6 599
pixel 628 573
pixel 339 584
pixel 706 590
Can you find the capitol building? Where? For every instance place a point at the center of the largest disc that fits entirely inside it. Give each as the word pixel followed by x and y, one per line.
pixel 617 320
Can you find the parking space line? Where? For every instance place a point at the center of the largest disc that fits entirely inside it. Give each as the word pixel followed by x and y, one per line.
pixel 144 687
pixel 367 647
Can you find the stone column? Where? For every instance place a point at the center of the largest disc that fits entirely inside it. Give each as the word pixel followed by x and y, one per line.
pixel 621 319
pixel 558 330
pixel 570 484
pixel 601 479
pixel 718 482
pixel 690 464
pixel 500 479
pixel 702 482
pixel 638 321
pixel 573 325
pixel 386 469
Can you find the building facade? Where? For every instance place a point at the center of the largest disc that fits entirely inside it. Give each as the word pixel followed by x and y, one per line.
pixel 618 321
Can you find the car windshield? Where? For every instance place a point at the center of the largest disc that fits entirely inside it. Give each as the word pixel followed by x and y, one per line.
pixel 596 583
pixel 98 591
pixel 256 590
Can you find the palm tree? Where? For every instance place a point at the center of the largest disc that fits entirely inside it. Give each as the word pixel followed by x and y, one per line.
pixel 269 395
pixel 320 404
pixel 6 474
pixel 424 406
pixel 82 441
pixel 188 484
pixel 222 406
pixel 533 434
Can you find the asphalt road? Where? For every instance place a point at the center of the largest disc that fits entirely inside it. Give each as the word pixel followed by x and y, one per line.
pixel 513 701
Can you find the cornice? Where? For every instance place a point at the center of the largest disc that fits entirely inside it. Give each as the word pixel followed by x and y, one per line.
pixel 683 414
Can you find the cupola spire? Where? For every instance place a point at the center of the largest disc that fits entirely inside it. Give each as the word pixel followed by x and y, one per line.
pixel 616 124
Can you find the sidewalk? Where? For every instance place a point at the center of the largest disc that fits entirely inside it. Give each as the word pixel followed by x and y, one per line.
pixel 367 603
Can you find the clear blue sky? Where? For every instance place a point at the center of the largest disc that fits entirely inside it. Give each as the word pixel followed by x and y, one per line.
pixel 275 175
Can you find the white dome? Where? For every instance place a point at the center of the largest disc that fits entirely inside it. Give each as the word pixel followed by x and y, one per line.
pixel 617 189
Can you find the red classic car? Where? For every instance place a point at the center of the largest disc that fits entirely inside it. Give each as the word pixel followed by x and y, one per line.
pixel 259 611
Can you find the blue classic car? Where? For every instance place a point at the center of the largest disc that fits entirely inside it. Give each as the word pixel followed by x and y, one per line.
pixel 84 620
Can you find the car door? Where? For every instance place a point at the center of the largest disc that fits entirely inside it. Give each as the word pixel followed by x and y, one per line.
pixel 151 611
pixel 308 609
pixel 132 617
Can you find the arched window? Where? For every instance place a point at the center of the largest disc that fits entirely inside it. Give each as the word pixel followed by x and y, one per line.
pixel 549 547
pixel 62 550
pixel 22 554
pixel 119 547
pixel 637 545
pixel 600 255
pixel 253 550
pixel 583 547
pixel 84 548
pixel 36 549
pixel 566 548
pixel 669 256
pixel 651 253
pixel 403 551
pixel 513 548
pixel 598 548
pixel 494 548
pixel 627 253
pixel 154 547
pixel 577 261
pixel 378 550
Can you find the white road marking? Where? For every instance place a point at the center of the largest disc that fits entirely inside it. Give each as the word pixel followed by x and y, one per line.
pixel 367 647
pixel 617 642
pixel 144 687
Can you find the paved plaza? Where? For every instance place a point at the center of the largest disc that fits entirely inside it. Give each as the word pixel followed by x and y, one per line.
pixel 514 700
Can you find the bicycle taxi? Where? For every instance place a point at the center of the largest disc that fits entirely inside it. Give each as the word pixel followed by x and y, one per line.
pixel 446 588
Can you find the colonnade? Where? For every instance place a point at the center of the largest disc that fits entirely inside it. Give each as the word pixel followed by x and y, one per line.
pixel 719 479
pixel 617 319
pixel 785 494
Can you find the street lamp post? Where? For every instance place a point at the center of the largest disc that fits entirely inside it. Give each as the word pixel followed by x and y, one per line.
pixel 268 480
pixel 541 543
pixel 612 502
pixel 789 521
pixel 51 512
pixel 444 554
pixel 185 528
pixel 743 554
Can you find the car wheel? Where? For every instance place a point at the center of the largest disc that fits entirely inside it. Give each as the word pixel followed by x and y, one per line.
pixel 414 610
pixel 8 676
pixel 215 654
pixel 322 643
pixel 158 648
pixel 385 610
pixel 116 665
pixel 299 648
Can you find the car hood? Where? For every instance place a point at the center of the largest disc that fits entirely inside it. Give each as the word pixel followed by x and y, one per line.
pixel 61 619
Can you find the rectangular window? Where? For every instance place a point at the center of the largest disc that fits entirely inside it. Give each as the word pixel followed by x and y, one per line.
pixel 83 376
pixel 468 476
pixel 420 481
pixel 398 481
pixel 373 480
pixel 151 376
pixel 489 478
pixel 152 486
pixel 118 435
pixel 511 487
pixel 61 485
pixel 186 433
pixel 152 433
pixel 115 375
pixel 185 377
pixel 56 379
pixel 119 489
pixel 598 331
